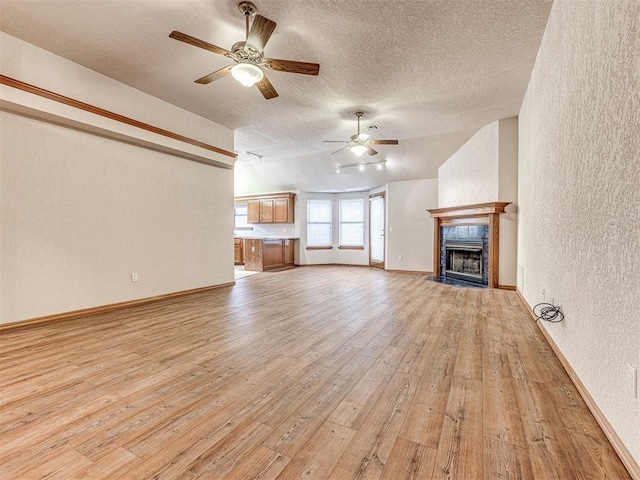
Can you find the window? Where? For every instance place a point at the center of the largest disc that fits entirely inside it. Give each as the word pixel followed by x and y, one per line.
pixel 240 215
pixel 318 223
pixel 352 222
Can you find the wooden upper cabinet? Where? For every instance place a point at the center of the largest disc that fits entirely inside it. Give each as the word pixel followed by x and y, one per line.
pixel 253 211
pixel 266 211
pixel 281 210
pixel 274 208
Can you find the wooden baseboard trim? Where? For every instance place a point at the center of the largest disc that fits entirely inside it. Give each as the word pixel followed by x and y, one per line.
pixel 623 452
pixel 106 308
pixel 421 272
pixel 507 287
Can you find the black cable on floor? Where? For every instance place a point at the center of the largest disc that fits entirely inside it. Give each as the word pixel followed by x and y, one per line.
pixel 548 313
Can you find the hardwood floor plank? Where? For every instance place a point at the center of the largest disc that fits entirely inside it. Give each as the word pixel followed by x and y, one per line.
pixel 409 461
pixel 351 373
pixel 320 453
pixel 368 453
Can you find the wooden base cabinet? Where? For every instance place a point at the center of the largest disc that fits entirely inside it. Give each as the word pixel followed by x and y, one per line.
pixel 268 253
pixel 238 251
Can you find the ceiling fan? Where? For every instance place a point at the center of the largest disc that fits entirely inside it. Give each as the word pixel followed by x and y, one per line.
pixel 360 143
pixel 248 55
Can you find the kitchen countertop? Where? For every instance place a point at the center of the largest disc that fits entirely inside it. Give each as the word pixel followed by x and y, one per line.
pixel 270 237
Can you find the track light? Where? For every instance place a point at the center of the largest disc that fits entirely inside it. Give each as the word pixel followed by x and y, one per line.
pixel 361 166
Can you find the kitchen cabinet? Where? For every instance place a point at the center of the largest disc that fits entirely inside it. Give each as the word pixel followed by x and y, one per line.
pixel 273 208
pixel 268 253
pixel 238 251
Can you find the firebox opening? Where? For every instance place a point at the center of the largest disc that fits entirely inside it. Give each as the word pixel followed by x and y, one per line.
pixel 465 261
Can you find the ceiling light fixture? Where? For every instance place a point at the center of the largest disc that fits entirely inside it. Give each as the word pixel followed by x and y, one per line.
pixel 359 149
pixel 247 74
pixel 361 166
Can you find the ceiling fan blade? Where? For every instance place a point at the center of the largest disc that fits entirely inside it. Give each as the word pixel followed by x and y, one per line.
pixel 183 37
pixel 341 149
pixel 266 88
pixel 215 75
pixel 291 66
pixel 371 151
pixel 261 30
pixel 383 142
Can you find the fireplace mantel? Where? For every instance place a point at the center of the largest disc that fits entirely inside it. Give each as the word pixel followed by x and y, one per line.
pixel 476 214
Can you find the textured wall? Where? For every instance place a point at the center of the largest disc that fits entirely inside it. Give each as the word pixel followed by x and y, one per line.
pixel 471 174
pixel 79 213
pixel 579 196
pixel 485 169
pixel 412 235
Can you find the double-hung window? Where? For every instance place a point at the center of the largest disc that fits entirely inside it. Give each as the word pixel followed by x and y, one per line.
pixel 352 223
pixel 319 218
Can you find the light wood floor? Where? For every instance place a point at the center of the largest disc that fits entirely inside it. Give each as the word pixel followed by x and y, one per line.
pixel 315 372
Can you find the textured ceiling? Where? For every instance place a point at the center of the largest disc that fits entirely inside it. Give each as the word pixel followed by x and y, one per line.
pixel 430 73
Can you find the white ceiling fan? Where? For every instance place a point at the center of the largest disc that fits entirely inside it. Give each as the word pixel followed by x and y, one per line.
pixel 360 143
pixel 248 55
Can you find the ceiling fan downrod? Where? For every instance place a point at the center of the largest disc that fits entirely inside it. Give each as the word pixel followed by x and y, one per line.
pixel 247 9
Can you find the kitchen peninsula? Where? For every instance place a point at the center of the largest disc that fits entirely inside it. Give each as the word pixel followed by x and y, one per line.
pixel 268 253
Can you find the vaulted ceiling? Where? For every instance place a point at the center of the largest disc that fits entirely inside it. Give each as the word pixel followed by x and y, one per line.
pixel 429 73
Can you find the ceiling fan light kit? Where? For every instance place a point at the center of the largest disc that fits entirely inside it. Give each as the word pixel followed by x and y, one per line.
pixel 248 55
pixel 360 143
pixel 247 74
pixel 359 149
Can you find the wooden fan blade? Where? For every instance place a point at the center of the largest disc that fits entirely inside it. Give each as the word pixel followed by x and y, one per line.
pixel 261 30
pixel 215 75
pixel 383 142
pixel 291 66
pixel 183 37
pixel 266 88
pixel 371 151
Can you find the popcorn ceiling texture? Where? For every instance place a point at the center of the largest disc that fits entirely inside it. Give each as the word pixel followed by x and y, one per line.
pixel 579 196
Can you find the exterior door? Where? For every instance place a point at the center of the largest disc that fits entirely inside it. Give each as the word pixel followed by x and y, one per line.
pixel 376 230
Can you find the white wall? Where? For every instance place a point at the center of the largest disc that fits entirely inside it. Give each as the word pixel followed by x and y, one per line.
pixel 471 174
pixel 579 196
pixel 80 212
pixel 485 169
pixel 409 226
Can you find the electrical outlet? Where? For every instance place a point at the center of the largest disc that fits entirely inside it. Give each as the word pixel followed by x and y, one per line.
pixel 632 380
pixel 134 277
pixel 400 257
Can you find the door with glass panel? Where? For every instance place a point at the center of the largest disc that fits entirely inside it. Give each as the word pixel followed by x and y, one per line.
pixel 376 230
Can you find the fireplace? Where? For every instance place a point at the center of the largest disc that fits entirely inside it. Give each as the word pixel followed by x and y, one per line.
pixel 464 260
pixel 466 243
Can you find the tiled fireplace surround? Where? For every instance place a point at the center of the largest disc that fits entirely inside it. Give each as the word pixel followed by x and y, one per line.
pixel 478 222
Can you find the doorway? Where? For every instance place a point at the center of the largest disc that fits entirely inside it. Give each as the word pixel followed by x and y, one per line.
pixel 376 230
